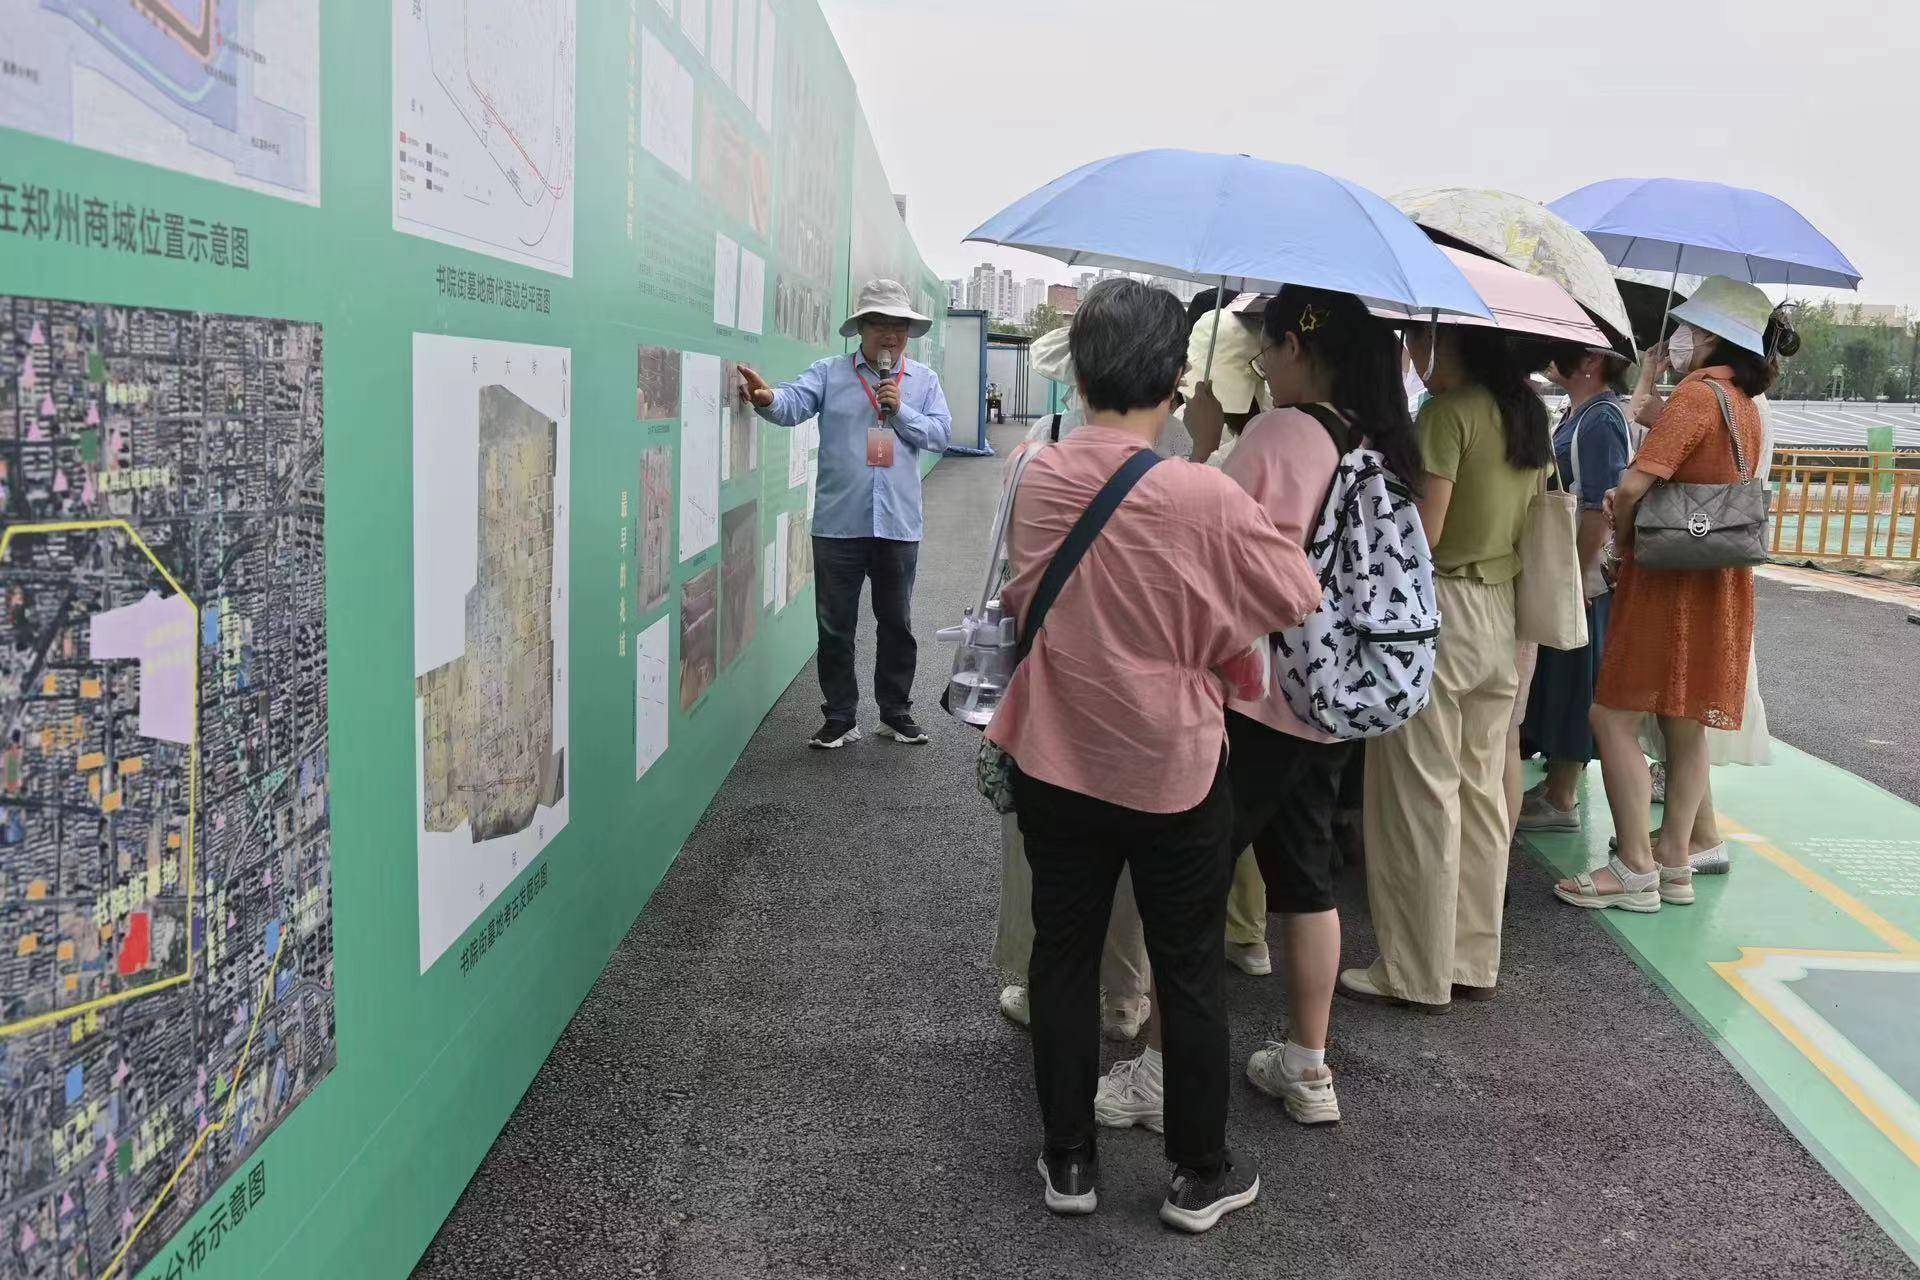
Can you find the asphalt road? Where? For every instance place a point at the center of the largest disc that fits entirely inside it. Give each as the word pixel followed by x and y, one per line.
pixel 792 1066
pixel 1841 679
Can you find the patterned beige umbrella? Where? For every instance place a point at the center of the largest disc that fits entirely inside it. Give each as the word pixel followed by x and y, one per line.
pixel 1525 234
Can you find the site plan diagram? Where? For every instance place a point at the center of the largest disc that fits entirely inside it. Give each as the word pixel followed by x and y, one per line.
pixel 221 89
pixel 483 111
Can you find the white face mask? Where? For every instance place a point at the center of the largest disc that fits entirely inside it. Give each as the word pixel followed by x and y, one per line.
pixel 1680 350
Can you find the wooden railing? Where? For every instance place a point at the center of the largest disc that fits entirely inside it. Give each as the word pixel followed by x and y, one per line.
pixel 1845 504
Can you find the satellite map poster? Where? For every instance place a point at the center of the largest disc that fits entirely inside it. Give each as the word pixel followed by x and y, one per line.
pixel 345 666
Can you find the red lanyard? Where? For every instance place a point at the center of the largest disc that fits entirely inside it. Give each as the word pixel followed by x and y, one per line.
pixel 873 399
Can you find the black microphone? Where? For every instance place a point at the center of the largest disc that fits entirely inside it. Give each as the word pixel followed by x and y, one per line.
pixel 885 370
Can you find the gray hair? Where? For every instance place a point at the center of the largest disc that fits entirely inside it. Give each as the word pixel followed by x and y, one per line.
pixel 1129 345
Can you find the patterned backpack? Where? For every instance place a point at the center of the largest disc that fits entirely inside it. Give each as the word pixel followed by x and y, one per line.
pixel 1362 663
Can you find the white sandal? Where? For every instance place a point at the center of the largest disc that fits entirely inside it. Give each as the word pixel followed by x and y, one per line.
pixel 1639 890
pixel 1676 885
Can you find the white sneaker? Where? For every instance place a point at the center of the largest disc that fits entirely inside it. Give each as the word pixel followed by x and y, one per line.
pixel 1308 1097
pixel 1253 958
pixel 1127 1096
pixel 1121 1020
pixel 1013 1005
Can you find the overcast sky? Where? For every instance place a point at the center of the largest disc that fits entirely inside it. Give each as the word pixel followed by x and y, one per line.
pixel 976 102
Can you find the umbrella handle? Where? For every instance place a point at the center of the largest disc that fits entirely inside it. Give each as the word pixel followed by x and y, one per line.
pixel 1672 285
pixel 1213 339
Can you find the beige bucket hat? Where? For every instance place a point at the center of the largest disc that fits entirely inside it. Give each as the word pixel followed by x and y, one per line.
pixel 886 298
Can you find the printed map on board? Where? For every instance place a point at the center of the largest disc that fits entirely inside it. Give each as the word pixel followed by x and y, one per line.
pixel 166 924
pixel 483 103
pixel 490 448
pixel 221 89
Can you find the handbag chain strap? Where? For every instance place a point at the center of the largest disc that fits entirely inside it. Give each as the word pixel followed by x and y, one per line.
pixel 1733 432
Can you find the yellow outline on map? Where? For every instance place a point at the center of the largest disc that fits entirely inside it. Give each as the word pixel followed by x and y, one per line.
pixel 193 776
pixel 233 1102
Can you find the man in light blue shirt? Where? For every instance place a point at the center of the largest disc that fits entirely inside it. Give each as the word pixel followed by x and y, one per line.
pixel 879 411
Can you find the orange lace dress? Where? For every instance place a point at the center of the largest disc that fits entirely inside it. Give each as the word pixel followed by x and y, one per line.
pixel 1679 640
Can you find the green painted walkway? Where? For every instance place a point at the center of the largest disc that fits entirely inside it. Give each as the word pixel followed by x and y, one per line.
pixel 1803 964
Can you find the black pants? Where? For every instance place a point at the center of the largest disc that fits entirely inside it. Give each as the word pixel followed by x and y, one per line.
pixel 1285 793
pixel 840 565
pixel 1182 866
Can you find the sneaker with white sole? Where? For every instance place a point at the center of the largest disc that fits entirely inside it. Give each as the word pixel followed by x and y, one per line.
pixel 1196 1204
pixel 1537 813
pixel 1121 1020
pixel 1130 1094
pixel 1072 1180
pixel 834 734
pixel 1308 1097
pixel 1251 958
pixel 1013 1005
pixel 902 728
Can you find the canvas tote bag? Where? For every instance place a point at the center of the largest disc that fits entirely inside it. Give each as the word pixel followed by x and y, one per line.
pixel 1549 602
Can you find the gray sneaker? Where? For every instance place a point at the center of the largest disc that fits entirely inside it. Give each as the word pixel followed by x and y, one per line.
pixel 1537 813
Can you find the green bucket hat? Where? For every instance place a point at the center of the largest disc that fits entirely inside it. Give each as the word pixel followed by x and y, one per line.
pixel 1730 309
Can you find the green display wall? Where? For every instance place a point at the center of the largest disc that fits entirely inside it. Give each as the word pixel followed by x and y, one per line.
pixel 390 577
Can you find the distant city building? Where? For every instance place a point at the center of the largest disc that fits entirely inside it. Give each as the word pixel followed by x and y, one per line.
pixel 980 287
pixel 1185 290
pixel 1063 298
pixel 1870 315
pixel 1033 296
pixel 956 293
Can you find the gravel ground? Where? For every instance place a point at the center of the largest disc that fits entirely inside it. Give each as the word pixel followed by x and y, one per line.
pixel 792 1067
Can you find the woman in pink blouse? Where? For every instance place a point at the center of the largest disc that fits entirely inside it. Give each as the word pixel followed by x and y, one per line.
pixel 1116 722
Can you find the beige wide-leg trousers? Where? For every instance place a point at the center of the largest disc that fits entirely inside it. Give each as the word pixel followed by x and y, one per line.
pixel 1436 810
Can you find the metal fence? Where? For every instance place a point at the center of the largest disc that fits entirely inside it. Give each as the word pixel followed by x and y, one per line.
pixel 1845 504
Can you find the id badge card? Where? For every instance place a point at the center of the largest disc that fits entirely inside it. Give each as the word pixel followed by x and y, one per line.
pixel 879 447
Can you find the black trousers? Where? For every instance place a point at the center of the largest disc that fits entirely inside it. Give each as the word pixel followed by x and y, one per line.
pixel 840 565
pixel 1285 793
pixel 1182 866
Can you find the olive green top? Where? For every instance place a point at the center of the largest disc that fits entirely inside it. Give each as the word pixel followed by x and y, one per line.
pixel 1463 440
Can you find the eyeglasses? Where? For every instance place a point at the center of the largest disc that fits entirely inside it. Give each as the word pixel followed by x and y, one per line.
pixel 1258 362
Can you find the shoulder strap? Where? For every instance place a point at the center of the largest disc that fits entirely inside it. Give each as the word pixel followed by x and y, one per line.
pixel 1580 420
pixel 1053 429
pixel 1002 518
pixel 1733 432
pixel 1080 538
pixel 1336 426
pixel 1343 436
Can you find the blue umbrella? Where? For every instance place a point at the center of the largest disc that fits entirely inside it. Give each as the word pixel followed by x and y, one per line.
pixel 1238 223
pixel 1707 229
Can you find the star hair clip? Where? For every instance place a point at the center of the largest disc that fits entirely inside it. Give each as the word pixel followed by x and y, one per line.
pixel 1310 318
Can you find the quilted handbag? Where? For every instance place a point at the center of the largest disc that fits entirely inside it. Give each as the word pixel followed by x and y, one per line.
pixel 1704 526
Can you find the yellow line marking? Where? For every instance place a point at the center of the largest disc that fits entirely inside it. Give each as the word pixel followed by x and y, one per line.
pixel 233 1102
pixel 193 773
pixel 1873 921
pixel 1750 958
